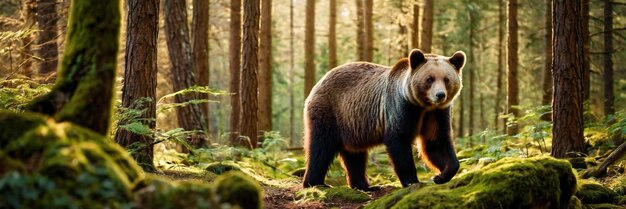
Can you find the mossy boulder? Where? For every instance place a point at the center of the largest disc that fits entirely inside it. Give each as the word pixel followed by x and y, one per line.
pixel 46 164
pixel 61 165
pixel 238 189
pixel 594 193
pixel 575 203
pixel 222 167
pixel 603 206
pixel 332 194
pixel 157 192
pixel 540 182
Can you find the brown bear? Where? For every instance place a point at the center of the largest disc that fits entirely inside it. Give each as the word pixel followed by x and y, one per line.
pixel 359 105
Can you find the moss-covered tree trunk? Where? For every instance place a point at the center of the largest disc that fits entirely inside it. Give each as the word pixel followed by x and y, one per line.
pixel 84 87
pixel 140 75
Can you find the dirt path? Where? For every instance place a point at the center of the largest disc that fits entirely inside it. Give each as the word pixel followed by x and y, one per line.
pixel 285 198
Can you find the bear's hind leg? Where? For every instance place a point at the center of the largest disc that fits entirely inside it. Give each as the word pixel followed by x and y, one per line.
pixel 354 163
pixel 321 148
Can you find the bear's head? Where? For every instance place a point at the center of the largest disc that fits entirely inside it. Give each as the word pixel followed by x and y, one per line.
pixel 433 81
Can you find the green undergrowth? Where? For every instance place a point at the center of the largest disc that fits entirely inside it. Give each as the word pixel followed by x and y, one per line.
pixel 332 194
pixel 46 164
pixel 507 183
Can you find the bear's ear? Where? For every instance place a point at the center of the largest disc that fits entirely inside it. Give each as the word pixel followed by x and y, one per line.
pixel 458 60
pixel 416 58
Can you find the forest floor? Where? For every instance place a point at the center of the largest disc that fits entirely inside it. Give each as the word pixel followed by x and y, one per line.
pixel 284 197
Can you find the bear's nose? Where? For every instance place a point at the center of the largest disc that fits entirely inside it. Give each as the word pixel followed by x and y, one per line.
pixel 440 95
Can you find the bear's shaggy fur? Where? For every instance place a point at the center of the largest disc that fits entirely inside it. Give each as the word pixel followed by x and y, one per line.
pixel 360 105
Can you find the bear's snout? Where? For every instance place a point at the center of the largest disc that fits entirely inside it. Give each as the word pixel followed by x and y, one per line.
pixel 440 96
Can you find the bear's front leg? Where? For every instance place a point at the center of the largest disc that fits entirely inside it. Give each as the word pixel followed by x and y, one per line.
pixel 437 149
pixel 401 154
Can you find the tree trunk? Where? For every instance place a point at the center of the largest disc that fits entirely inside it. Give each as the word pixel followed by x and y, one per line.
pixel 265 68
pixel 369 32
pixel 47 39
pixel 499 73
pixel 292 103
pixel 547 70
pixel 360 30
pixel 140 75
pixel 427 26
pixel 200 49
pixel 234 45
pixel 88 68
pixel 511 74
pixel 472 73
pixel 607 61
pixel 332 35
pixel 249 67
pixel 415 27
pixel 567 74
pixel 190 117
pixel 28 16
pixel 586 42
pixel 309 47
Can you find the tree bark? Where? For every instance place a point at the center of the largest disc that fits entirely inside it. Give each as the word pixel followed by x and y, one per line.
pixel 427 26
pixel 292 103
pixel 607 60
pixel 415 27
pixel 84 88
pixel 190 117
pixel 499 73
pixel 249 68
pixel 140 75
pixel 472 74
pixel 567 74
pixel 309 47
pixel 511 52
pixel 200 49
pixel 47 40
pixel 332 35
pixel 28 17
pixel 234 45
pixel 360 30
pixel 547 71
pixel 369 32
pixel 586 43
pixel 265 68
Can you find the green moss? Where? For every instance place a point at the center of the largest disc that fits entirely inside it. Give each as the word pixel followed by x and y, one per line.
pixel 84 88
pixel 578 163
pixel 575 203
pixel 594 193
pixel 299 172
pixel 238 189
pixel 332 194
pixel 507 183
pixel 65 163
pixel 345 194
pixel 157 192
pixel 222 167
pixel 618 184
pixel 603 206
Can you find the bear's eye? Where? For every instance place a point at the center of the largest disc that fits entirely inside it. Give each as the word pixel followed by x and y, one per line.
pixel 430 79
pixel 446 80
